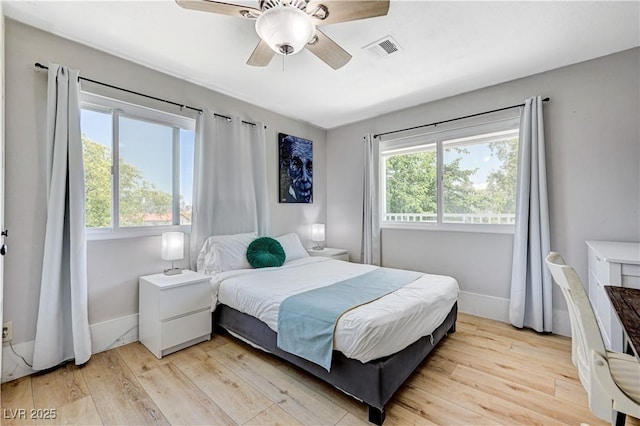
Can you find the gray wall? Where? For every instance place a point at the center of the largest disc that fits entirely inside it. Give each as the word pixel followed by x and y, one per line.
pixel 593 162
pixel 114 265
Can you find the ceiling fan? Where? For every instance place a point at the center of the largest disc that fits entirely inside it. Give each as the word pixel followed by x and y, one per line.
pixel 286 27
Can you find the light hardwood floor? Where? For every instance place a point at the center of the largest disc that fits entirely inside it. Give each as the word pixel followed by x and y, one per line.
pixel 486 373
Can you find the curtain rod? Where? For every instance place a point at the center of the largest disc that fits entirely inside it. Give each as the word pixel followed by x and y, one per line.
pixel 182 106
pixel 229 119
pixel 453 119
pixel 39 65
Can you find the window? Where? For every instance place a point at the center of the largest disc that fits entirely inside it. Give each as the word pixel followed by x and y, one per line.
pixel 451 179
pixel 138 166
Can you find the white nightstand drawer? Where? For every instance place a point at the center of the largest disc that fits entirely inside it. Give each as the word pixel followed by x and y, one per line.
pixel 180 330
pixel 177 301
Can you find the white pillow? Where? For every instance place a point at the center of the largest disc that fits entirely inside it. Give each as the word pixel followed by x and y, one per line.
pixel 292 246
pixel 222 253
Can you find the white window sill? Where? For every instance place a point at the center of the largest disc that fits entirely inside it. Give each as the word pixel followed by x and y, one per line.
pixel 451 227
pixel 98 234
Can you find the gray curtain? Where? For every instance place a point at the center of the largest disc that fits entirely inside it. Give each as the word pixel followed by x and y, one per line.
pixel 531 286
pixel 62 330
pixel 370 248
pixel 230 180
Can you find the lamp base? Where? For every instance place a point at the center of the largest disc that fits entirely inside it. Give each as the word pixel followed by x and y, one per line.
pixel 173 271
pixel 317 248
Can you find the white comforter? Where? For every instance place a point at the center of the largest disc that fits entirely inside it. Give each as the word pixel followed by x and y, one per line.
pixel 379 328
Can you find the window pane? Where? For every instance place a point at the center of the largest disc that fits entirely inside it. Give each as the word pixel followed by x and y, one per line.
pixel 411 189
pixel 187 146
pixel 96 147
pixel 146 173
pixel 479 175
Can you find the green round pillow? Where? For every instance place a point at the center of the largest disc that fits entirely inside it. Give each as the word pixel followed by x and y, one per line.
pixel 265 252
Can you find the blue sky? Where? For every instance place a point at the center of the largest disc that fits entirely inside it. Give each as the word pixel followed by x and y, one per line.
pixel 479 157
pixel 147 146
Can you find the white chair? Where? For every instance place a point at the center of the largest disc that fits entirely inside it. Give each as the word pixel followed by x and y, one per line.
pixel 611 379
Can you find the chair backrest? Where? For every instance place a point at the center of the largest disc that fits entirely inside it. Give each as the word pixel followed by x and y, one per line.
pixel 585 328
pixel 577 299
pixel 554 261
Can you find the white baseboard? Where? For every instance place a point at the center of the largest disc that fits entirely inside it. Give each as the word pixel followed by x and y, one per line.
pixel 13 367
pixel 497 308
pixel 113 333
pixel 104 335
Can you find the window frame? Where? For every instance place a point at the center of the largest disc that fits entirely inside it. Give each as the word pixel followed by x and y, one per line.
pixel 438 137
pixel 119 109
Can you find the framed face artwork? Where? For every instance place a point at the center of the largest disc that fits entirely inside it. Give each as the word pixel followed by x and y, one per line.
pixel 296 169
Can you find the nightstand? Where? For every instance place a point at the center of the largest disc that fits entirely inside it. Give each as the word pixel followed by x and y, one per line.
pixel 334 253
pixel 175 311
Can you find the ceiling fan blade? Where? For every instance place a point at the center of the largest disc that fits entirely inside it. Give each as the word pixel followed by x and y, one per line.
pixel 329 51
pixel 261 55
pixel 347 10
pixel 220 8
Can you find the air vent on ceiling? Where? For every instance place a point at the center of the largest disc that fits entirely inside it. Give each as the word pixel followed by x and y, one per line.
pixel 383 47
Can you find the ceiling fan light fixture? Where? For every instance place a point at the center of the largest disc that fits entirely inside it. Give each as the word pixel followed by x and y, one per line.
pixel 286 29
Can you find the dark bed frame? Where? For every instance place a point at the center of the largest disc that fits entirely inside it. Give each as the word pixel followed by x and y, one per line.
pixel 373 382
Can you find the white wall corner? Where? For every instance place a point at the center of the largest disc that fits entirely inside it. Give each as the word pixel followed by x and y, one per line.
pixel 104 336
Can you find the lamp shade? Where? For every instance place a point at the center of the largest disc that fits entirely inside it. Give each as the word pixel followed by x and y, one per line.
pixel 317 232
pixel 172 245
pixel 286 29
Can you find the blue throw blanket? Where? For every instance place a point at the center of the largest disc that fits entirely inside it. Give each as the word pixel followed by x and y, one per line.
pixel 306 321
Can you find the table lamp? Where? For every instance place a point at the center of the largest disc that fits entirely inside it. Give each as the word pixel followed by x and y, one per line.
pixel 172 249
pixel 317 235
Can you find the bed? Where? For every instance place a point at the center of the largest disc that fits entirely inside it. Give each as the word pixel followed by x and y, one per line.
pixel 375 347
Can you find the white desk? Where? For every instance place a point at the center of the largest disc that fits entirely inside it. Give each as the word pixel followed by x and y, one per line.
pixel 616 264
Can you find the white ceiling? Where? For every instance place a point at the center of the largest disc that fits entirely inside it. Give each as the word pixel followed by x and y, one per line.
pixel 447 48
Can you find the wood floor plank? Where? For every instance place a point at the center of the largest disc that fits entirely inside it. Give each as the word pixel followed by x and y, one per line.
pixel 78 412
pixel 119 397
pixel 65 389
pixel 527 335
pixel 572 392
pixel 468 321
pixel 436 409
pixel 546 365
pixel 182 402
pixel 351 420
pixel 555 356
pixel 397 415
pixel 17 398
pixel 273 415
pixel 138 358
pixel 440 364
pixel 500 367
pixel 472 399
pixel 217 340
pixel 61 386
pixel 236 396
pixel 352 405
pixel 485 339
pixel 531 399
pixel 292 396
